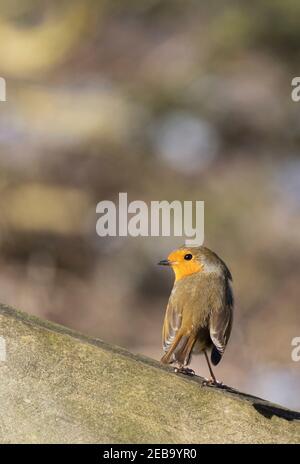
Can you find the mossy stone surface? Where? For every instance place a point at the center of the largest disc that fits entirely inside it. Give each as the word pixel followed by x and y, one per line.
pixel 58 386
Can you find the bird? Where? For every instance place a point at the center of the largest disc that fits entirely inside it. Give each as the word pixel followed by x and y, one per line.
pixel 199 312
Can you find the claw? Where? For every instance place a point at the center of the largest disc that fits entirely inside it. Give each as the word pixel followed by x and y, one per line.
pixel 212 383
pixel 184 370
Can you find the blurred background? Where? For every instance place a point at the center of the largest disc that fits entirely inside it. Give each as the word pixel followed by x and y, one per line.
pixel 164 100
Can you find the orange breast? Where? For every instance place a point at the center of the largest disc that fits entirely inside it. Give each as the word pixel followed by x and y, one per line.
pixel 185 269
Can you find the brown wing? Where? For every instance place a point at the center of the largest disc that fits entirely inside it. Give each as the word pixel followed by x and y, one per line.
pixel 178 341
pixel 172 324
pixel 220 325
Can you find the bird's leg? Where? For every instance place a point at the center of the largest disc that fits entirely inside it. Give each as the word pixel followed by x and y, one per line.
pixel 213 380
pixel 183 370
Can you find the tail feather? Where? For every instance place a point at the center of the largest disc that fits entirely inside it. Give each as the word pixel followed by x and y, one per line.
pixel 215 356
pixel 180 350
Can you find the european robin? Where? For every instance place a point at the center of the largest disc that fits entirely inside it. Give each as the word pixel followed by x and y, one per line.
pixel 200 308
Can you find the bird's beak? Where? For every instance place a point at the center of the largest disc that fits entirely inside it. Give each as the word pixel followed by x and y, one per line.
pixel 164 262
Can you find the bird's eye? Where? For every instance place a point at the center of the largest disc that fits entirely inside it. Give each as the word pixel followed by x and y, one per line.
pixel 188 257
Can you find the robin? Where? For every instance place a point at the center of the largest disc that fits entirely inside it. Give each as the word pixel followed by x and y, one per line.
pixel 200 308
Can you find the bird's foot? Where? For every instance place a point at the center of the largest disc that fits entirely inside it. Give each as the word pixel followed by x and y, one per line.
pixel 212 383
pixel 184 370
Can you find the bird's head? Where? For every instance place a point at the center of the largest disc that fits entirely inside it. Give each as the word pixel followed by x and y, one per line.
pixel 191 260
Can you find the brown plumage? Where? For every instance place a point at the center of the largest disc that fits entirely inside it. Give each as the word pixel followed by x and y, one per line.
pixel 200 308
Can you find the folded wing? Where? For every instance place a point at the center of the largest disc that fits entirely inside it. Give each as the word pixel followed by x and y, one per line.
pixel 220 325
pixel 178 340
